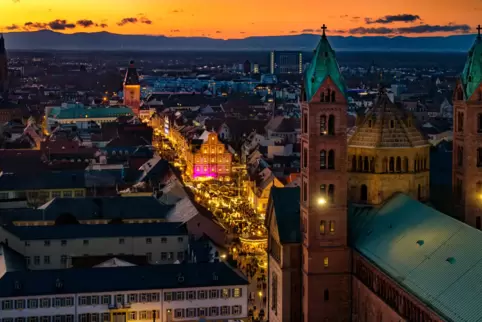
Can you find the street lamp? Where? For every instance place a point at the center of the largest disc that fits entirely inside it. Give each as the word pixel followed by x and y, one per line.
pixel 321 201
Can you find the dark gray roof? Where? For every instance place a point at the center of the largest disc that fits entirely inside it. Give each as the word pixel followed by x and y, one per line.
pixel 286 204
pixel 42 180
pixel 117 279
pixel 97 231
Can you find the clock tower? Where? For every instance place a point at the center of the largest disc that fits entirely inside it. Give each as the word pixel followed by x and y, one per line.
pixel 132 89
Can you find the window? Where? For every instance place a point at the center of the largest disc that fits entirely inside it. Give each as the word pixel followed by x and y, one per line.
pixel 305 123
pixel 331 159
pixel 7 305
pixel 322 159
pixel 202 311
pixel 56 194
pixel 133 315
pixel 392 124
pixel 148 240
pixel 180 256
pixel 201 295
pixel 78 193
pixel 274 293
pixel 325 262
pixel 27 243
pixel 163 240
pixel 27 260
pixel 63 243
pixel 332 226
pixel 46 243
pixel 479 157
pixel 19 304
pixel 399 164
pixel 353 163
pixel 322 227
pixel 94 300
pixel 237 292
pixel 170 255
pixel 32 304
pixel 305 191
pixel 326 295
pixel 331 193
pixel 105 299
pixel 323 125
pixel 305 157
pixel 213 294
pixel 191 295
pixel 213 311
pixel 149 257
pixel 225 310
pixel 225 293
pixel 237 310
pixel 366 165
pixel 119 298
pixel 179 296
pixel 460 122
pixel 46 260
pixel 477 222
pixel 331 125
pixel 36 260
pixel 392 164
pixel 163 256
pixel 180 239
pixel 143 315
pixel 190 313
pixel 179 313
pixel 168 296
pixel 121 241
pixel 85 242
pixel 45 303
pixel 67 194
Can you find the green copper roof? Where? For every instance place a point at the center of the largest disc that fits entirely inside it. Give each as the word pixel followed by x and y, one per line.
pixel 80 111
pixel 472 74
pixel 433 256
pixel 323 64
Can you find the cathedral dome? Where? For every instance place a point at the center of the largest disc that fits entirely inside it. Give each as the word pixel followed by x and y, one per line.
pixel 385 125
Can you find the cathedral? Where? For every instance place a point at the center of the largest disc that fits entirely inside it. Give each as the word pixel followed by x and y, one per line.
pixel 357 241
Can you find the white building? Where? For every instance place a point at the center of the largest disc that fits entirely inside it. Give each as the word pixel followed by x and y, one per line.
pixel 118 294
pixel 53 247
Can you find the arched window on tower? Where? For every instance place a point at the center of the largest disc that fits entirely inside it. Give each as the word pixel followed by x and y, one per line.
pixel 331 125
pixel 425 163
pixel 353 163
pixel 331 159
pixel 331 193
pixel 372 165
pixel 323 159
pixel 326 295
pixel 328 95
pixel 360 163
pixel 385 165
pixel 459 94
pixel 366 165
pixel 415 165
pixel 322 124
pixel 363 193
pixel 322 227
pixel 392 164
pixel 333 96
pixel 419 192
pixel 399 164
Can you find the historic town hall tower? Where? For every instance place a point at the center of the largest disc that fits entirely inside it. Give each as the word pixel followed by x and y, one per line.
pixel 323 200
pixel 132 89
pixel 467 149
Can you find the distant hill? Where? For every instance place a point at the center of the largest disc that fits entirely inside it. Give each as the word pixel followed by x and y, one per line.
pixel 49 40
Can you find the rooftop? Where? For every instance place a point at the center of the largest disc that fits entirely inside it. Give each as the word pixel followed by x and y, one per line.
pixel 42 180
pixel 97 231
pixel 286 204
pixel 118 279
pixel 80 111
pixel 431 255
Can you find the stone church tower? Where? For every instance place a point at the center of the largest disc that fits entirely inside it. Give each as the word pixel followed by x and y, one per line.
pixel 324 182
pixel 467 138
pixel 132 89
pixel 387 154
pixel 3 67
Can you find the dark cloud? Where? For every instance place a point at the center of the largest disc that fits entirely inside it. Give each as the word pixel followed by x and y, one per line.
pixel 85 23
pixel 126 21
pixel 242 32
pixel 103 25
pixel 404 17
pixel 60 24
pixel 218 32
pixel 308 30
pixel 12 27
pixel 175 30
pixel 293 32
pixel 15 1
pixel 35 25
pixel 421 29
pixel 177 11
pixel 133 20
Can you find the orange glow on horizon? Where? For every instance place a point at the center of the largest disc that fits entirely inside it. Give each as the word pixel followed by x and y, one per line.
pixel 234 19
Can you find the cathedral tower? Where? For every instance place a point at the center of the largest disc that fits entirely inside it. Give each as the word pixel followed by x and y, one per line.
pixel 3 67
pixel 325 254
pixel 132 89
pixel 387 154
pixel 467 144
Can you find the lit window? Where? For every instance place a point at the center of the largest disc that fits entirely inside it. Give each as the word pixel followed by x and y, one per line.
pixel 325 261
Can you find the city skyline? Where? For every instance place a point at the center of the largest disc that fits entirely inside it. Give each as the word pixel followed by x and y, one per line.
pixel 240 20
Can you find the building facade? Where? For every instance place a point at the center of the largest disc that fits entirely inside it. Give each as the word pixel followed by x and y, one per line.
pixel 325 251
pixel 467 139
pixel 208 159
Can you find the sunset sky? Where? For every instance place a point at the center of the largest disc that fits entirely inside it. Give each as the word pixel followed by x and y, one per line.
pixel 239 19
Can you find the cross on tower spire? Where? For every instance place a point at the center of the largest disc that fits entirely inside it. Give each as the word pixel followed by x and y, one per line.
pixel 324 27
pixel 479 29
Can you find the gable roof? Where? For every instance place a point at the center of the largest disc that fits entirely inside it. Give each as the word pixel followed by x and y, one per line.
pixel 433 256
pixel 286 208
pixel 111 279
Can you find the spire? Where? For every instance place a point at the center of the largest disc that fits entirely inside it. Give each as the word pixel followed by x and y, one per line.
pixel 132 77
pixel 323 64
pixel 471 77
